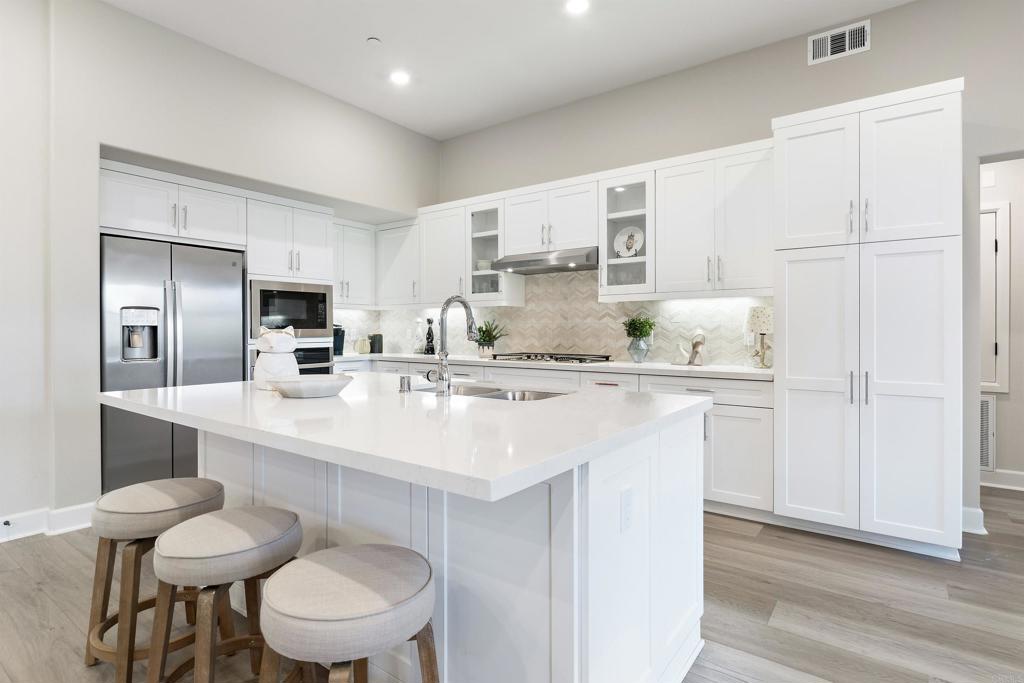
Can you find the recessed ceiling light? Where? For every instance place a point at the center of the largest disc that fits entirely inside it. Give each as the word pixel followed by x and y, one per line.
pixel 577 7
pixel 620 189
pixel 572 265
pixel 400 77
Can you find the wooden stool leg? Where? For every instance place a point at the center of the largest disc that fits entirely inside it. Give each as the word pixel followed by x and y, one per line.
pixel 106 552
pixel 225 617
pixel 340 673
pixel 207 607
pixel 190 608
pixel 428 655
pixel 128 610
pixel 270 666
pixel 361 671
pixel 252 613
pixel 161 637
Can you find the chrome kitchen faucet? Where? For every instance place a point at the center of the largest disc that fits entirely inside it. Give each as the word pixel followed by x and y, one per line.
pixel 442 377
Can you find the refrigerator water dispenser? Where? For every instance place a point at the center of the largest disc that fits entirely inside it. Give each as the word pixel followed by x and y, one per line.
pixel 139 333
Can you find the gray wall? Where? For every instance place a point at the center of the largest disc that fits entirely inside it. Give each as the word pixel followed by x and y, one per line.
pixel 1009 187
pixel 733 99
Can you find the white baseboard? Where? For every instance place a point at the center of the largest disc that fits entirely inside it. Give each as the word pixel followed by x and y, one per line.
pixel 764 517
pixel 45 521
pixel 974 521
pixel 1004 479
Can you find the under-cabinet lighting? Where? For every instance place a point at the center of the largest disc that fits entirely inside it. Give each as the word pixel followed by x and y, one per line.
pixel 620 189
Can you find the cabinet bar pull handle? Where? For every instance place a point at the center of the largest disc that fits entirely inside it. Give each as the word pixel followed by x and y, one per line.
pixel 298 260
pixel 851 387
pixel 719 268
pixel 849 217
pixel 549 234
pixel 700 391
pixel 607 384
pixel 291 255
pixel 865 214
pixel 414 289
pixel 460 285
pixel 348 288
pixel 865 387
pixel 184 217
pixel 709 269
pixel 542 234
pixel 174 215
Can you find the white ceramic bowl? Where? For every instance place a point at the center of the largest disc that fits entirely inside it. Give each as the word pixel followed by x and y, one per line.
pixel 310 386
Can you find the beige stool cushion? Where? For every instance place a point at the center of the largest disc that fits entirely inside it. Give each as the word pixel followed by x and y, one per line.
pixel 148 509
pixel 341 604
pixel 226 546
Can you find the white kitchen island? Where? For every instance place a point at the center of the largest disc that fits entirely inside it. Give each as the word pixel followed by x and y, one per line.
pixel 565 534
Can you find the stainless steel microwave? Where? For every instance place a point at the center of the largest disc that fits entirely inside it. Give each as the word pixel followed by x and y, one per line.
pixel 308 308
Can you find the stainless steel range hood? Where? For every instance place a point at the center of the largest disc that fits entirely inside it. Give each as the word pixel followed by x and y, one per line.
pixel 562 261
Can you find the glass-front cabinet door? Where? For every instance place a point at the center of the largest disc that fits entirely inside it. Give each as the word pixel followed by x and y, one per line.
pixel 627 235
pixel 485 226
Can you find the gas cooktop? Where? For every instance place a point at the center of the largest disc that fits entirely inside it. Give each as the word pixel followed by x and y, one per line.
pixel 553 357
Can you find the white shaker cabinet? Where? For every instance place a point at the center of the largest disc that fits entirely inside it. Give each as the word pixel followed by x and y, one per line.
pixel 686 228
pixel 743 230
pixel 444 254
pixel 572 217
pixel 738 456
pixel 911 170
pixel 131 202
pixel 398 265
pixel 353 269
pixel 312 240
pixel 817 371
pixel 564 218
pixel 526 218
pixel 269 250
pixel 911 329
pixel 817 176
pixel 212 216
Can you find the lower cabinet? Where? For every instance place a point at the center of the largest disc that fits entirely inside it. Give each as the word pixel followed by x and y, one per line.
pixel 547 380
pixel 738 456
pixel 738 439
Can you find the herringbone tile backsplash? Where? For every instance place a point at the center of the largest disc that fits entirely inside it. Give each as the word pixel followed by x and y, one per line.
pixel 562 314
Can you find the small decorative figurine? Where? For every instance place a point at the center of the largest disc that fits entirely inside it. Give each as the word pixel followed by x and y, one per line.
pixel 428 348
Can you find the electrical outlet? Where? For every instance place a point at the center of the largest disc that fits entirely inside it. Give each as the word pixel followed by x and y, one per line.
pixel 625 510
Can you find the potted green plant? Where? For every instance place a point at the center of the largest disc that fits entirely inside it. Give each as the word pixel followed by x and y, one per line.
pixel 639 329
pixel 487 335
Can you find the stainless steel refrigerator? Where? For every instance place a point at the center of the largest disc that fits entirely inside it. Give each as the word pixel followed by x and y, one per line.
pixel 173 315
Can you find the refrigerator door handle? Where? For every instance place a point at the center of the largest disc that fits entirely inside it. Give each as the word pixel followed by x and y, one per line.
pixel 179 338
pixel 169 335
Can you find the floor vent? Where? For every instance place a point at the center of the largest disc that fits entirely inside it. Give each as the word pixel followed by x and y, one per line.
pixel 839 42
pixel 988 433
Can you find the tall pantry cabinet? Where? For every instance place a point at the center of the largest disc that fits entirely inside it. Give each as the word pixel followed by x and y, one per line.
pixel 869 315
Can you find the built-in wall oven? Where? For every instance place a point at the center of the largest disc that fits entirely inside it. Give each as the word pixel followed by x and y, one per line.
pixel 305 307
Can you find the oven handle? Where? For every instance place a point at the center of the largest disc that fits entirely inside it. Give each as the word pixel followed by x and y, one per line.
pixel 303 366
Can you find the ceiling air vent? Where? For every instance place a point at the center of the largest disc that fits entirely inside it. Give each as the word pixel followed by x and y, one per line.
pixel 839 42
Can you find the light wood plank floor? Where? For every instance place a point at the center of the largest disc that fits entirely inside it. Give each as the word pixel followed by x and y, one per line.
pixel 781 606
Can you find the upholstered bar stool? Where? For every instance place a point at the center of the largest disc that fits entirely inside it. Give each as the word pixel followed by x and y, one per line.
pixel 342 605
pixel 215 550
pixel 135 515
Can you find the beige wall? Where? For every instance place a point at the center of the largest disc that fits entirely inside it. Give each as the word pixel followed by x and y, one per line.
pixel 732 100
pixel 124 82
pixel 1009 187
pixel 24 412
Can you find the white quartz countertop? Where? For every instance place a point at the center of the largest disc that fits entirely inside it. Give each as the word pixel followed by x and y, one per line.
pixel 482 448
pixel 666 369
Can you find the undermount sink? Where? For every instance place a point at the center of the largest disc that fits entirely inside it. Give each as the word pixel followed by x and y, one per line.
pixel 499 394
pixel 464 390
pixel 503 395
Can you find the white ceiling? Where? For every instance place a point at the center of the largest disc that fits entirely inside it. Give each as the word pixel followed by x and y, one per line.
pixel 475 63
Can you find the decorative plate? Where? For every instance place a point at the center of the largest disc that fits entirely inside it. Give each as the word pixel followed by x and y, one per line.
pixel 628 241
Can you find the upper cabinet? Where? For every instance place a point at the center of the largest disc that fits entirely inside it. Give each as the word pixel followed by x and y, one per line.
pixel 130 202
pixel 289 242
pixel 213 216
pixel 137 203
pixel 563 218
pixel 485 230
pixel 626 248
pixel 398 265
pixel 892 171
pixel 443 267
pixel 353 265
pixel 714 225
